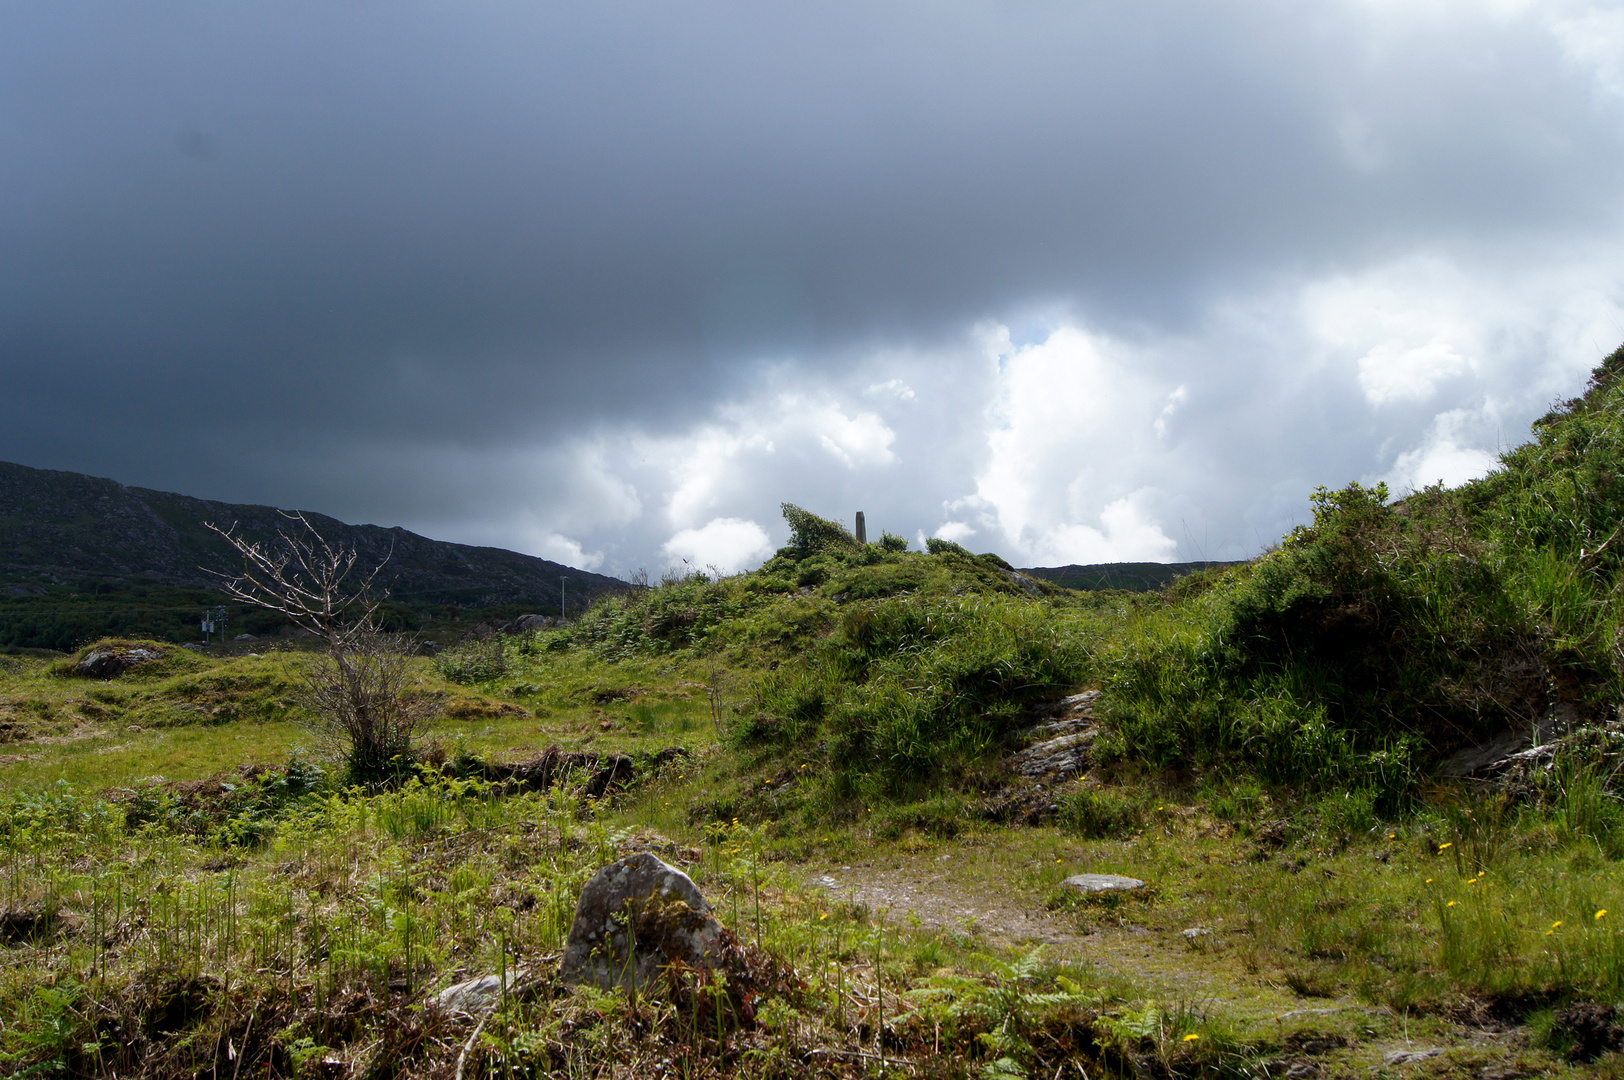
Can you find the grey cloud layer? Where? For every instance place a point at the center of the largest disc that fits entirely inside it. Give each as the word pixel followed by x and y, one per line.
pixel 369 256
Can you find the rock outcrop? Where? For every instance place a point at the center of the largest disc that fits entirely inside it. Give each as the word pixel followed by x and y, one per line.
pixel 111 663
pixel 1062 743
pixel 477 997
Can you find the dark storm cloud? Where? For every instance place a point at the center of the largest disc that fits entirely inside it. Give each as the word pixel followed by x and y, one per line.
pixel 246 247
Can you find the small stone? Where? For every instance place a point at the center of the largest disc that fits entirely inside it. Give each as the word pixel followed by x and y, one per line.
pixel 1101 883
pixel 476 997
pixel 1410 1057
pixel 1195 933
pixel 635 917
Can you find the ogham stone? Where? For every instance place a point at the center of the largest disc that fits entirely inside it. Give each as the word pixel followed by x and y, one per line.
pixel 635 917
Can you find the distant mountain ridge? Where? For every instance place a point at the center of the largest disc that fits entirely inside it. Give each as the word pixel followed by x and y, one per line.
pixel 65 527
pixel 1136 576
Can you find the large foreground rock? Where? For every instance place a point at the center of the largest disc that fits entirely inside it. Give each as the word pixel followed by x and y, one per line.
pixel 637 916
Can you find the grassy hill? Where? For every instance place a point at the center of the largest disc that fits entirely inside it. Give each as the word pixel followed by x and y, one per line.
pixel 832 746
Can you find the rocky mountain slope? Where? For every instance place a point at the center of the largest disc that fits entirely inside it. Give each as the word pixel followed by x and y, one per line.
pixel 1137 577
pixel 59 528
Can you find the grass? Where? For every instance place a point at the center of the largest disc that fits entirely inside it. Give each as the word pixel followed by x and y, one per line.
pixel 356 906
pixel 1316 898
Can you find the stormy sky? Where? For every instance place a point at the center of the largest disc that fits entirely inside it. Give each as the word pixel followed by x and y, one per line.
pixel 606 282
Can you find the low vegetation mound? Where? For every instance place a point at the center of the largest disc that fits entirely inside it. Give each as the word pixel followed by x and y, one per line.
pixel 112 658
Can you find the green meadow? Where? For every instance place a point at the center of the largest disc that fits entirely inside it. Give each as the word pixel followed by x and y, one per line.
pixel 193 882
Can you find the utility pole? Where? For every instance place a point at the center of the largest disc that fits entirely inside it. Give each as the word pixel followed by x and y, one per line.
pixel 560 597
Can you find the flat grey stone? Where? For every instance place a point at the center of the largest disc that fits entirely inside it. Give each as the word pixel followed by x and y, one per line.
pixel 1101 883
pixel 476 997
pixel 1409 1057
pixel 635 917
pixel 1195 932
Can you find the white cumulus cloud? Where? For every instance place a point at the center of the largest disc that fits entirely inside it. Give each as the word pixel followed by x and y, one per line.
pixel 728 544
pixel 1451 452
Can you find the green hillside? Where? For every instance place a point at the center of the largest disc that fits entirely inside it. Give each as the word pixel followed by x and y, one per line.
pixel 83 557
pixel 1367 785
pixel 1134 576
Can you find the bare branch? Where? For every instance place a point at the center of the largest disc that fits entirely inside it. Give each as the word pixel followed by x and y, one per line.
pixel 361 693
pixel 306 579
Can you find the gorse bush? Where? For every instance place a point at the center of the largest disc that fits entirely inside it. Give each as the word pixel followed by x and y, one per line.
pixel 813 535
pixel 1384 635
pixel 779 610
pixel 1375 638
pixel 681 614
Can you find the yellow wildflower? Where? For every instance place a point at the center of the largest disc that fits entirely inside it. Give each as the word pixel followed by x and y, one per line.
pixel 1450 904
pixel 1557 925
pixel 1443 847
pixel 1602 914
pixel 1192 1037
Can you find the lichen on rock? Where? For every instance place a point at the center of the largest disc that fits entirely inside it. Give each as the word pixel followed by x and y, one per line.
pixel 635 917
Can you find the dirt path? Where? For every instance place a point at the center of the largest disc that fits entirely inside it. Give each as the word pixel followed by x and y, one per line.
pixel 968 890
pixel 936 892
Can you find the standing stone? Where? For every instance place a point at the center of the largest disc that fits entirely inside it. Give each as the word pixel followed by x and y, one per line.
pixel 862 529
pixel 635 917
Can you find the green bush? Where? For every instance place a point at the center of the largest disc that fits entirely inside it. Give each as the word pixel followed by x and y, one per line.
pixel 474 661
pixel 813 535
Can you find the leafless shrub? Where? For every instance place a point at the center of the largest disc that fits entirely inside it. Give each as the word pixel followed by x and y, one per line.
pixel 361 692
pixel 366 706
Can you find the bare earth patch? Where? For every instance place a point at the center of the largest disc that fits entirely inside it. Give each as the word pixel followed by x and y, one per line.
pixel 950 891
